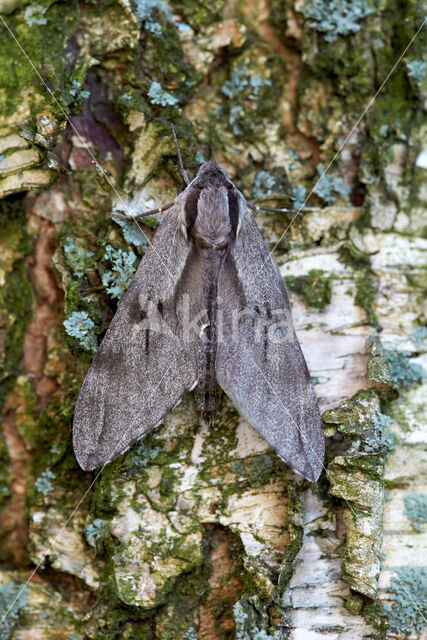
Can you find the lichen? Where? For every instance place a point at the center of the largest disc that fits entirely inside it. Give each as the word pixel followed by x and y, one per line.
pixel 240 82
pixel 13 598
pixel 300 195
pixel 408 591
pixel 132 232
pixel 247 623
pixel 160 96
pixel 336 17
pixel 146 12
pixel 123 267
pixel 247 94
pixel 263 185
pixel 81 327
pixel 327 186
pixel 96 530
pixel 44 482
pixel 417 69
pixel 404 373
pixel 416 509
pixel 78 258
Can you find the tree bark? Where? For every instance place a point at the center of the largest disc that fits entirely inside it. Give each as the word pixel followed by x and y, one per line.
pixel 195 533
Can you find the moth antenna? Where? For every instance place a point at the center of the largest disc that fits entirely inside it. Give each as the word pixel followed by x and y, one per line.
pixel 212 148
pixel 184 174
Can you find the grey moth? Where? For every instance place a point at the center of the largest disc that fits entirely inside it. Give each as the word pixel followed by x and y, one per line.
pixel 206 307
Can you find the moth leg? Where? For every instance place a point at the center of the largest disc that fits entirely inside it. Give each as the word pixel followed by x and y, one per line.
pixel 184 174
pixel 160 209
pixel 260 207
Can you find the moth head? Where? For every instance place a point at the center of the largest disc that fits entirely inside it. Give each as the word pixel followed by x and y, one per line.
pixel 211 174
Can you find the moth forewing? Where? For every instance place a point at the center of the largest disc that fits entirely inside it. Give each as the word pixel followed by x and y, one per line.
pixel 206 305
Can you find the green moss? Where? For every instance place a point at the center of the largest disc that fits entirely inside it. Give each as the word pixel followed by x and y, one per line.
pixel 315 287
pixel 42 31
pixel 354 603
pixel 257 470
pixel 379 370
pixel 408 590
pixel 356 477
pixel 366 296
pixel 201 14
pixel 416 509
pixel 15 293
pixel 352 255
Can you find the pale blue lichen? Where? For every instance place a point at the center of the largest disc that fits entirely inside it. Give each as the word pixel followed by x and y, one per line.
pixel 160 96
pixel 240 80
pixel 146 12
pixel 78 258
pixel 420 334
pixel 404 373
pixel 190 634
pixel 408 590
pixel 389 439
pixel 384 130
pixel 96 530
pixel 13 598
pixel 237 114
pixel 131 231
pixel 300 194
pixel 416 509
pixel 123 267
pixel 327 186
pixel 199 157
pixel 144 453
pixel 336 17
pixel 241 86
pixel 44 482
pixel 77 92
pixel 417 70
pixel 263 184
pixel 81 326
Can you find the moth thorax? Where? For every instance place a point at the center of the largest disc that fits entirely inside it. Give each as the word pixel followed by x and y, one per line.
pixel 212 226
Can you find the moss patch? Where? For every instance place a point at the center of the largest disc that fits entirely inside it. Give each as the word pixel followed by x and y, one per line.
pixel 315 287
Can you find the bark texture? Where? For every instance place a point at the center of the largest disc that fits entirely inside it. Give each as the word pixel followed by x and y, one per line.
pixel 196 533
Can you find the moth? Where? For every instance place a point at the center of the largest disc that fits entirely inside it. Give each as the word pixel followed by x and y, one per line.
pixel 207 306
